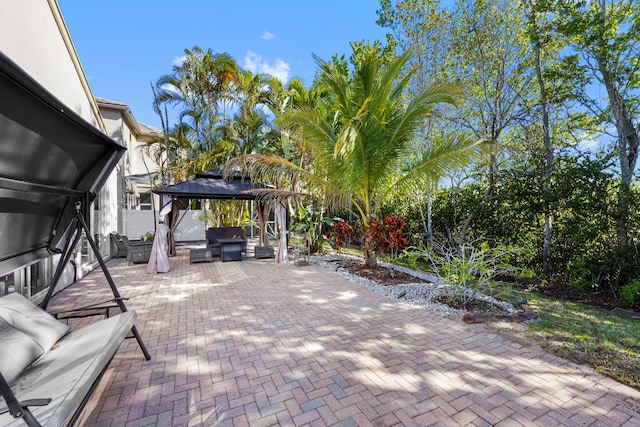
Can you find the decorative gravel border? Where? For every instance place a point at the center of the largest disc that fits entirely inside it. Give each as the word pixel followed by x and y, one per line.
pixel 417 294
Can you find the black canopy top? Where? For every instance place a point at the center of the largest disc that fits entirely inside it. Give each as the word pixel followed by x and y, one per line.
pixel 212 184
pixel 50 157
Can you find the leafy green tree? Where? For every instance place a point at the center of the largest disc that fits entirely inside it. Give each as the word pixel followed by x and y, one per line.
pixel 607 36
pixel 545 50
pixel 532 72
pixel 222 114
pixel 490 57
pixel 310 206
pixel 424 27
pixel 253 131
pixel 359 137
pixel 201 85
pixel 479 44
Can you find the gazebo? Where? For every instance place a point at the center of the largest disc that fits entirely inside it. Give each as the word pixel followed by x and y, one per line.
pixel 215 184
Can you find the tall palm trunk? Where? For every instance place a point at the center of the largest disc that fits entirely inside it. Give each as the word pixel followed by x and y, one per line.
pixel 370 260
pixel 263 217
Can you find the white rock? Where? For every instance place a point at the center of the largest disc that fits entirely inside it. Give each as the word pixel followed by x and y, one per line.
pixel 419 294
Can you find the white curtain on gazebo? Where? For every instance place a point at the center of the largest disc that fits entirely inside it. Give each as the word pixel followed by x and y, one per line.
pixel 281 215
pixel 263 209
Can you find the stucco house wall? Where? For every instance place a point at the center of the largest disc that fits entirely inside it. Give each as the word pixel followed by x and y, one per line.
pixel 122 126
pixel 33 34
pixel 136 167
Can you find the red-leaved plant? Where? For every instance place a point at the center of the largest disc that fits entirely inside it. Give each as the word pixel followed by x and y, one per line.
pixel 340 232
pixel 387 236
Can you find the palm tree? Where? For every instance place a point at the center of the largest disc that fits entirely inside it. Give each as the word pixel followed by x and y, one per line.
pixel 250 123
pixel 359 138
pixel 202 85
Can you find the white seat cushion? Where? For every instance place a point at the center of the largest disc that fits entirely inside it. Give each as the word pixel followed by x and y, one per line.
pixel 66 374
pixel 17 351
pixel 30 319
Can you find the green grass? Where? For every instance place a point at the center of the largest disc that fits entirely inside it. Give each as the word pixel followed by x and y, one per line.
pixel 588 335
pixel 607 342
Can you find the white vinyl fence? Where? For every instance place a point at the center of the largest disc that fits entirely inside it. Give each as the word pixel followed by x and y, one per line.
pixel 136 224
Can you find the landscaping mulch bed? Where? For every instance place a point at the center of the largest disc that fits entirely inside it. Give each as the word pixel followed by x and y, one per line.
pixel 380 274
pixel 407 289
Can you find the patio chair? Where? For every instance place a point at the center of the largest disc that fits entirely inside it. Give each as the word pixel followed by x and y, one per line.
pixel 118 247
pixel 137 252
pixel 213 234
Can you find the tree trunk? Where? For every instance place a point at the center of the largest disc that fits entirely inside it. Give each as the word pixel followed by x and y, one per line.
pixel 173 216
pixel 429 212
pixel 263 216
pixel 319 243
pixel 627 151
pixel 489 193
pixel 370 260
pixel 281 214
pixel 549 165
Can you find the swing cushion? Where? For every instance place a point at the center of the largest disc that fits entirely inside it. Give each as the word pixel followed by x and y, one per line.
pixel 26 333
pixel 17 351
pixel 66 372
pixel 30 319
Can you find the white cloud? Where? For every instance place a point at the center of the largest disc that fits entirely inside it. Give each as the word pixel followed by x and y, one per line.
pixel 280 70
pixel 589 144
pixel 595 141
pixel 178 60
pixel 268 35
pixel 254 63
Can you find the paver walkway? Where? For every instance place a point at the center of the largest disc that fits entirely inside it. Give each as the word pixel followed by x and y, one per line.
pixel 259 343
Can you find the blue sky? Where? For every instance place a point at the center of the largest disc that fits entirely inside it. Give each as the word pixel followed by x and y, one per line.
pixel 124 45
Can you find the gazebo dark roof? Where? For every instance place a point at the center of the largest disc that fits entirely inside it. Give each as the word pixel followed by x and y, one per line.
pixel 212 184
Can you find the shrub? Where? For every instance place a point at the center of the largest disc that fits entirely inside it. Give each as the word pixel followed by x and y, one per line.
pixel 388 237
pixel 471 270
pixel 631 293
pixel 340 232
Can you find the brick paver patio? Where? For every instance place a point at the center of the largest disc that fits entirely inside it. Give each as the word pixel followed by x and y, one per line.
pixel 256 343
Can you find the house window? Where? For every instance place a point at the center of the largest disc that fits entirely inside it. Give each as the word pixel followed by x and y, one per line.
pixel 145 202
pixel 7 284
pixel 129 200
pixel 37 282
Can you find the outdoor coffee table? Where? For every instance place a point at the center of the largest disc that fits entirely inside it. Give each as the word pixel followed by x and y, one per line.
pixel 231 249
pixel 200 255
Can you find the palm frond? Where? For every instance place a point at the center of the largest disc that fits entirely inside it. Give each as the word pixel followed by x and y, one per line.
pixel 285 175
pixel 270 194
pixel 445 155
